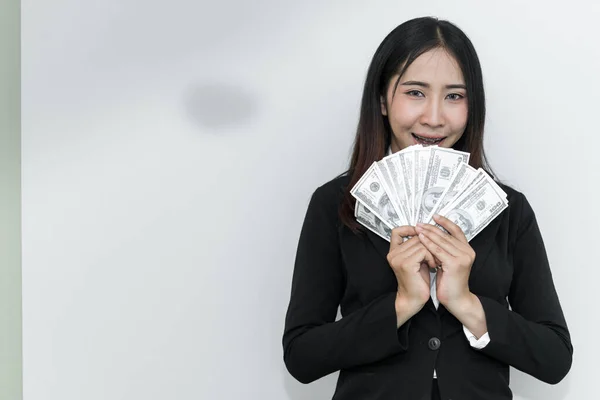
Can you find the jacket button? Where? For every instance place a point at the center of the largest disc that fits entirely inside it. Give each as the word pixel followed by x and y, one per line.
pixel 434 343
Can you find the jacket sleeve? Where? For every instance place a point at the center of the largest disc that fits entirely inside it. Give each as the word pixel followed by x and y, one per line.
pixel 533 337
pixel 314 343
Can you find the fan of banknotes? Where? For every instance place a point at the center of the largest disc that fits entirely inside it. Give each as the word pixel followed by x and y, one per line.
pixel 412 185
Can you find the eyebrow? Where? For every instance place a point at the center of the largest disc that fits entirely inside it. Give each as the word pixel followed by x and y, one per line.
pixel 426 85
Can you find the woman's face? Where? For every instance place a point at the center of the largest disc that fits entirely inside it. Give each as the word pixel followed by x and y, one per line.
pixel 429 105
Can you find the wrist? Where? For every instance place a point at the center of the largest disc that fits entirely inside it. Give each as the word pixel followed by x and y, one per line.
pixel 462 304
pixel 406 305
pixel 470 313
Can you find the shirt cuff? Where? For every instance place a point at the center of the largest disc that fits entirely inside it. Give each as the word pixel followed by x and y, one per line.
pixel 474 342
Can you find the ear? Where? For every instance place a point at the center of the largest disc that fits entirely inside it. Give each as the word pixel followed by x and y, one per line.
pixel 383 106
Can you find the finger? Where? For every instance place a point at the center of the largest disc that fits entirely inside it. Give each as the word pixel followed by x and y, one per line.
pixel 400 233
pixel 399 236
pixel 451 227
pixel 432 262
pixel 411 258
pixel 400 244
pixel 461 243
pixel 433 228
pixel 436 250
pixel 421 254
pixel 403 249
pixel 424 271
pixel 445 241
pixel 405 230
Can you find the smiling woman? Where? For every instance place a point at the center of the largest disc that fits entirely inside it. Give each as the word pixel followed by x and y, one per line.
pixel 424 86
pixel 428 104
pixel 406 333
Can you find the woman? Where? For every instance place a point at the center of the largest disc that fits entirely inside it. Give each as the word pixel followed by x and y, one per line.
pixel 405 333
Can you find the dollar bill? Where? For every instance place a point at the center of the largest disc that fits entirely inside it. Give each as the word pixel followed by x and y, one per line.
pixel 420 171
pixel 388 172
pixel 370 191
pixel 474 209
pixel 480 174
pixel 498 188
pixel 399 187
pixel 417 182
pixel 406 162
pixel 441 168
pixel 370 221
pixel 462 177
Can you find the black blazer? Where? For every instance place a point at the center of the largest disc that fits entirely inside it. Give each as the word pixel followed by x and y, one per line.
pixel 335 267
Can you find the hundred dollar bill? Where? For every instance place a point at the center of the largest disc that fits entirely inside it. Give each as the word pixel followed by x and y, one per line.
pixel 461 178
pixel 480 174
pixel 370 191
pixel 398 186
pixel 370 221
pixel 406 163
pixel 387 170
pixel 420 172
pixel 498 188
pixel 442 165
pixel 475 209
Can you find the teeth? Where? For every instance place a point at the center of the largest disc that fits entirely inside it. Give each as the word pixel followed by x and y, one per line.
pixel 428 140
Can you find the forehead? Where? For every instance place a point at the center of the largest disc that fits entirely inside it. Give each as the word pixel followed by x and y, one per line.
pixel 435 65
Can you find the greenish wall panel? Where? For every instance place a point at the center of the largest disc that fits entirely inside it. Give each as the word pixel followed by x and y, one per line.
pixel 10 202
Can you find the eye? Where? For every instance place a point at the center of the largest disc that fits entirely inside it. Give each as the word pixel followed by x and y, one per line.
pixel 455 96
pixel 415 93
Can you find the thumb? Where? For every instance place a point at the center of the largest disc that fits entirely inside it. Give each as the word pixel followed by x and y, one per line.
pixel 399 234
pixel 430 260
pixel 424 271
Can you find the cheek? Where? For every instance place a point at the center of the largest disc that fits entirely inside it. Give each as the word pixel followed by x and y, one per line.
pixel 405 113
pixel 458 117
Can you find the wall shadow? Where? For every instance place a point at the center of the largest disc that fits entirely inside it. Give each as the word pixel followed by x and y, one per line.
pixel 216 106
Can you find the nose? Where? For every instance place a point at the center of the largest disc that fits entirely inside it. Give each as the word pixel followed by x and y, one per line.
pixel 433 113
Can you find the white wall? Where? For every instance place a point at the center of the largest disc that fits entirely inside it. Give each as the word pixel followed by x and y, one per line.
pixel 165 144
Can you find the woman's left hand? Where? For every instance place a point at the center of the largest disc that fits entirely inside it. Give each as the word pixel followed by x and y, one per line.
pixel 456 257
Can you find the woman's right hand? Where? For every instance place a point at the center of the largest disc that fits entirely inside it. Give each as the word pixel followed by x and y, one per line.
pixel 410 260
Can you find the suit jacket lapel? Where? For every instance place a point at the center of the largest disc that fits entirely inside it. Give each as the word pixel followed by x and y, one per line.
pixel 482 244
pixel 382 245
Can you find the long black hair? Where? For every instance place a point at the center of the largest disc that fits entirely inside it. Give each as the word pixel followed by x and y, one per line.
pixel 393 56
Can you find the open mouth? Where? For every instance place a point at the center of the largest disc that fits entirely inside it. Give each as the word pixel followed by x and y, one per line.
pixel 428 141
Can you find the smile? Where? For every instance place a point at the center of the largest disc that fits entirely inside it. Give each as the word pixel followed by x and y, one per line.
pixel 428 140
